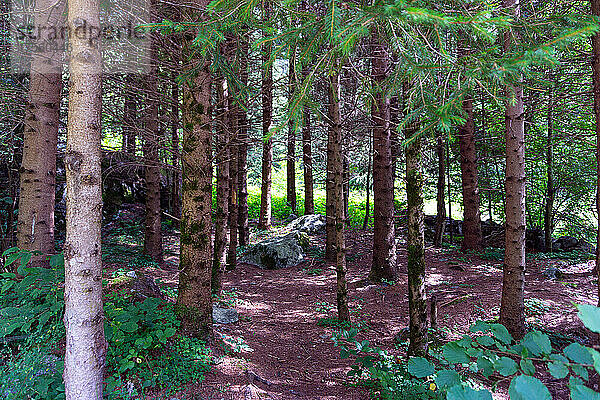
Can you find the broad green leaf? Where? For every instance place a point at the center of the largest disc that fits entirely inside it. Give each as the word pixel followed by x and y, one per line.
pixel 467 393
pixel 537 343
pixel 420 367
pixel 596 358
pixel 525 387
pixel 590 316
pixel 580 392
pixel 455 354
pixel 485 366
pixel 527 367
pixel 578 353
pixel 447 378
pixel 129 327
pixel 501 333
pixel 506 366
pixel 580 370
pixel 486 341
pixel 558 369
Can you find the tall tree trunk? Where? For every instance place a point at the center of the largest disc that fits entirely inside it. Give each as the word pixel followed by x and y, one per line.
pixel 129 115
pixel 85 348
pixel 35 224
pixel 335 209
pixel 152 235
pixel 346 189
pixel 384 241
pixel 449 177
pixel 243 226
pixel 194 303
pixel 233 181
pixel 596 82
pixel 264 221
pixel 512 309
pixel 176 184
pixel 291 143
pixel 549 206
pixel 415 243
pixel 440 220
pixel 470 187
pixel 309 203
pixel 368 187
pixel 222 204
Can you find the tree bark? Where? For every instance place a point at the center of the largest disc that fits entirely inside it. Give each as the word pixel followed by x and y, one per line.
pixel 440 220
pixel 222 203
pixel 194 302
pixel 512 310
pixel 152 235
pixel 264 221
pixel 309 202
pixel 85 348
pixel 346 188
pixel 368 187
pixel 291 142
pixel 384 241
pixel 129 116
pixel 335 212
pixel 549 206
pixel 595 5
pixel 176 184
pixel 470 187
pixel 243 226
pixel 415 243
pixel 234 112
pixel 35 223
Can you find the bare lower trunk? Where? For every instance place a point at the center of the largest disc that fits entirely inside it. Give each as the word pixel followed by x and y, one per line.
pixel 85 348
pixel 176 184
pixel 440 220
pixel 309 203
pixel 470 187
pixel 35 226
pixel 129 116
pixel 233 189
pixel 291 144
pixel 384 242
pixel 194 302
pixel 512 310
pixel 549 206
pixel 415 243
pixel 336 211
pixel 243 227
pixel 368 188
pixel 153 235
pixel 346 189
pixel 264 221
pixel 596 82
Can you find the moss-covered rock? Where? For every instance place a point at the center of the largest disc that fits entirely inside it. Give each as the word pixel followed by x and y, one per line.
pixel 278 252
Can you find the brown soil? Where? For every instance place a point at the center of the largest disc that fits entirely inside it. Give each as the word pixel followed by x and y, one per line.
pixel 293 357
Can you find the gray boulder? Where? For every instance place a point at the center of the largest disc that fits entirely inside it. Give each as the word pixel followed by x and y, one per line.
pixel 553 273
pixel 224 315
pixel 310 224
pixel 278 252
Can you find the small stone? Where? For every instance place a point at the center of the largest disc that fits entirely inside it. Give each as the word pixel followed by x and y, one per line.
pixel 552 273
pixel 402 336
pixel 225 315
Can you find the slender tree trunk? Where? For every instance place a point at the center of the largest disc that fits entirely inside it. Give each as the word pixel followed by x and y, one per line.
pixel 194 302
pixel 368 187
pixel 291 144
pixel 85 348
pixel 243 226
pixel 549 170
pixel 309 203
pixel 512 310
pixel 233 181
pixel 346 189
pixel 448 167
pixel 129 116
pixel 176 184
pixel 415 243
pixel 335 211
pixel 222 204
pixel 470 187
pixel 394 137
pixel 264 221
pixel 153 235
pixel 596 84
pixel 384 241
pixel 35 223
pixel 440 220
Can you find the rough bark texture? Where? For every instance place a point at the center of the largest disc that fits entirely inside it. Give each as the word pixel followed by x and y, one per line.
pixel 35 223
pixel 309 202
pixel 596 83
pixel 233 182
pixel 194 303
pixel 368 188
pixel 346 188
pixel 85 348
pixel 470 187
pixel 176 183
pixel 440 221
pixel 384 242
pixel 264 221
pixel 243 226
pixel 415 243
pixel 335 210
pixel 152 235
pixel 222 203
pixel 291 142
pixel 549 206
pixel 512 311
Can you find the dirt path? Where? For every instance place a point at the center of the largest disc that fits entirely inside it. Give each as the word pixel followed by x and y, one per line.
pixel 287 354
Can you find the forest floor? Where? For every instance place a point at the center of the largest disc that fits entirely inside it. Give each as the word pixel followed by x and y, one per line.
pixel 282 344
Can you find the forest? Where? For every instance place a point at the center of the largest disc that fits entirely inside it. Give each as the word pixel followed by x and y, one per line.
pixel 300 199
